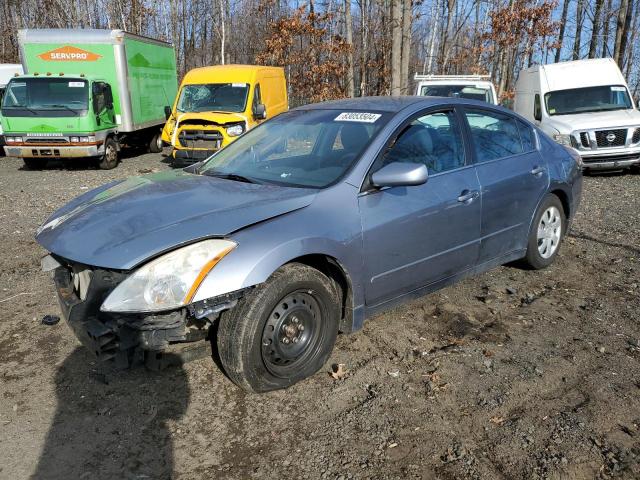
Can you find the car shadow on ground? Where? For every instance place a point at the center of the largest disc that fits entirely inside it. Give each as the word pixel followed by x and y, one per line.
pixel 118 426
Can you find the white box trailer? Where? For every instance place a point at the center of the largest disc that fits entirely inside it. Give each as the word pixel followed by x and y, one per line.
pixel 475 87
pixel 584 104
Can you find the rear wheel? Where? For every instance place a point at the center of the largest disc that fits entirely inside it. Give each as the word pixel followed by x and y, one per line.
pixel 34 163
pixel 546 234
pixel 155 144
pixel 281 332
pixel 109 159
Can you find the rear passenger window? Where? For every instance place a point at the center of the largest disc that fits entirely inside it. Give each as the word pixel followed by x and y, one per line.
pixel 527 136
pixel 494 134
pixel 433 140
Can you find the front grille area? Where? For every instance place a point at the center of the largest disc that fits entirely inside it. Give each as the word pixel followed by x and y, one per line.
pixel 37 140
pixel 200 139
pixel 584 139
pixel 611 138
pixel 636 136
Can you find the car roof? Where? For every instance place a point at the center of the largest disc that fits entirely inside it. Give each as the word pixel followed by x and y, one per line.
pixel 390 104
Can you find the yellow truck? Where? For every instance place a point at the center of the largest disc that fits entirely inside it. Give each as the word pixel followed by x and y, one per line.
pixel 215 105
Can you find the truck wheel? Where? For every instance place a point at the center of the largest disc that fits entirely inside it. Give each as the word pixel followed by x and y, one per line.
pixel 155 145
pixel 282 331
pixel 547 231
pixel 109 159
pixel 34 163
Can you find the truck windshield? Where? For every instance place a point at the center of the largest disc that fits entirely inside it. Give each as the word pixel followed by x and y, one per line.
pixel 45 97
pixel 301 148
pixel 589 99
pixel 213 97
pixel 472 92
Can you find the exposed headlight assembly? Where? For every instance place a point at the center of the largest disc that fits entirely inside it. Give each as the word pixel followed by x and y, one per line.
pixel 170 281
pixel 235 130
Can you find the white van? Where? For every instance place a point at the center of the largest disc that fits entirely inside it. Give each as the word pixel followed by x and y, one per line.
pixel 476 87
pixel 584 104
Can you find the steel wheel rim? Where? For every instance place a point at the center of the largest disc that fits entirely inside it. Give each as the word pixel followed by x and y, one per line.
pixel 549 232
pixel 292 332
pixel 159 142
pixel 110 154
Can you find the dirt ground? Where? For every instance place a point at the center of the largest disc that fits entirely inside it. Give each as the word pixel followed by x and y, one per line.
pixel 512 374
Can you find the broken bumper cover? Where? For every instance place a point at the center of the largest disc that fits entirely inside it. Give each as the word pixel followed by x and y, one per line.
pixel 122 339
pixel 191 156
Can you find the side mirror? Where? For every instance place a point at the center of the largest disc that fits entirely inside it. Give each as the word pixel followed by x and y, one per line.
pixel 167 112
pixel 260 111
pixel 399 174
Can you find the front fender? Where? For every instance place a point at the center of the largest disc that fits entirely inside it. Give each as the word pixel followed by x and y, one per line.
pixel 313 230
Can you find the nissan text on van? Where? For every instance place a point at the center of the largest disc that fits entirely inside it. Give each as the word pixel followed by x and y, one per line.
pixel 586 105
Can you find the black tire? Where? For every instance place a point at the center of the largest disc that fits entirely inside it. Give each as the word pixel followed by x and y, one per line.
pixel 296 302
pixel 534 258
pixel 155 144
pixel 34 163
pixel 109 159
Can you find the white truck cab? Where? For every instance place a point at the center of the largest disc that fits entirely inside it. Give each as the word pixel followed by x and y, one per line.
pixel 475 87
pixel 584 104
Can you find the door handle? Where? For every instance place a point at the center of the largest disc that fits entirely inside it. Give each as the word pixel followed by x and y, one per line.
pixel 537 171
pixel 467 196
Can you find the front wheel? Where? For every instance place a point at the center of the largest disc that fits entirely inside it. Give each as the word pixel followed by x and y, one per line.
pixel 155 144
pixel 109 159
pixel 547 232
pixel 282 331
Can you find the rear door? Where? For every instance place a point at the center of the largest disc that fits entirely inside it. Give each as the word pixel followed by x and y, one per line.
pixel 414 236
pixel 513 178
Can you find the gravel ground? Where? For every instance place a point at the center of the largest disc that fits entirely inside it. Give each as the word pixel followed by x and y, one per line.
pixel 511 374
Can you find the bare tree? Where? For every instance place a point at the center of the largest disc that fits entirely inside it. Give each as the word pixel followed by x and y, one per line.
pixel 396 47
pixel 563 22
pixel 578 36
pixel 349 39
pixel 595 30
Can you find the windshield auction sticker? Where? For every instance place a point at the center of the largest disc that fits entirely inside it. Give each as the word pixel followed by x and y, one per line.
pixel 363 117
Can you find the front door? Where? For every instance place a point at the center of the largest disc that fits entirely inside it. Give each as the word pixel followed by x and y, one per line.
pixel 513 177
pixel 414 236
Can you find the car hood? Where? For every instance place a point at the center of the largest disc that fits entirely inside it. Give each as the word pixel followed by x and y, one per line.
pixel 585 121
pixel 36 124
pixel 122 224
pixel 220 118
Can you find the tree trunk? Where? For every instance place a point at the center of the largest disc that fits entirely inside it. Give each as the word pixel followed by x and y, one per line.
pixel 625 34
pixel 349 35
pixel 563 21
pixel 579 21
pixel 622 15
pixel 605 31
pixel 595 30
pixel 407 11
pixel 396 46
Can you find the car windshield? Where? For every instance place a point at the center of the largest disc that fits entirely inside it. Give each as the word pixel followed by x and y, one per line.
pixel 589 99
pixel 472 92
pixel 301 148
pixel 221 97
pixel 60 97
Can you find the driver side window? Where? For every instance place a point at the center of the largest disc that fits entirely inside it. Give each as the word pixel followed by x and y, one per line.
pixel 433 139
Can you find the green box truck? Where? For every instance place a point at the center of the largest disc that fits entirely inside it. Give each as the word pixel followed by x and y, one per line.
pixel 87 94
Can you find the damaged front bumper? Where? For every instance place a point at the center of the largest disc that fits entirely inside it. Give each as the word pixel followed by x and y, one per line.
pixel 126 339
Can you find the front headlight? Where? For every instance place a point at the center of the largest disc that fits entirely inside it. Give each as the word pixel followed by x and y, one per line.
pixel 562 139
pixel 235 130
pixel 74 139
pixel 169 281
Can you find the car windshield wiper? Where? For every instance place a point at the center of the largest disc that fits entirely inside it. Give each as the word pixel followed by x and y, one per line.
pixel 62 106
pixel 21 106
pixel 230 176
